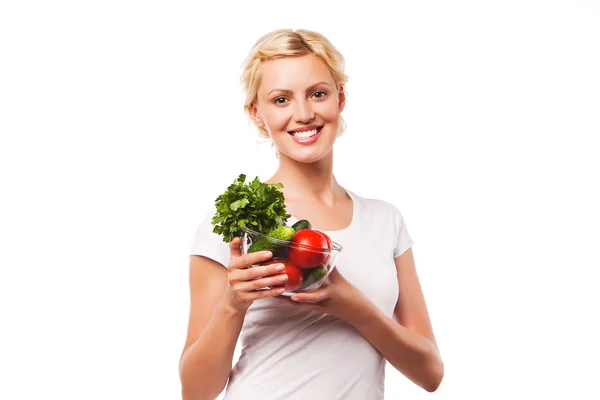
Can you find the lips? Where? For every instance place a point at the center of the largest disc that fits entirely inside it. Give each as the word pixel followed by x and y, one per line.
pixel 306 132
pixel 306 137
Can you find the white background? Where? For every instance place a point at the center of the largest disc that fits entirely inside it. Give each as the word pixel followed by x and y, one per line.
pixel 121 121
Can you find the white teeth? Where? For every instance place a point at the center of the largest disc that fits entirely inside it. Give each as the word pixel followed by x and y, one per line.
pixel 305 135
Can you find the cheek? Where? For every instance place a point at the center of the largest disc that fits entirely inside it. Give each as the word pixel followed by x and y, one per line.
pixel 276 119
pixel 329 111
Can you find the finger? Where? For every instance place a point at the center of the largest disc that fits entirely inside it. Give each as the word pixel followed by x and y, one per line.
pixel 251 285
pixel 235 248
pixel 250 259
pixel 290 302
pixel 286 299
pixel 313 297
pixel 249 274
pixel 334 275
pixel 315 307
pixel 261 294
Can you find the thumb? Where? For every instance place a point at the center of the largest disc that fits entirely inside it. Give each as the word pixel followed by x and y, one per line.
pixel 235 248
pixel 334 275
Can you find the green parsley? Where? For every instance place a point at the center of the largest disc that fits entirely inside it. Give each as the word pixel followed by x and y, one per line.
pixel 259 206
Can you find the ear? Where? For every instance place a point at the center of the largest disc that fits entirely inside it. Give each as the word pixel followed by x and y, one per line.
pixel 342 98
pixel 256 117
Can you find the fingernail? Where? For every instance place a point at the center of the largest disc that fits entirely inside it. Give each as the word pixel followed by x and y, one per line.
pixel 279 267
pixel 295 298
pixel 268 254
pixel 283 277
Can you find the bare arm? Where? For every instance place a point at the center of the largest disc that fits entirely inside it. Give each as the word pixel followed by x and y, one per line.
pixel 213 331
pixel 407 341
pixel 219 299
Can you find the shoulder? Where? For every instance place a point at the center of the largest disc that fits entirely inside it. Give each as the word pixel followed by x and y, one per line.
pixel 207 243
pixel 379 212
pixel 384 219
pixel 374 205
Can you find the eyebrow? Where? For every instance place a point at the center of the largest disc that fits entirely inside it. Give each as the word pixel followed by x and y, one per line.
pixel 309 88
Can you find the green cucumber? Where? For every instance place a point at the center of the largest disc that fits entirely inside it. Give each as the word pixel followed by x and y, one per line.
pixel 302 224
pixel 283 233
pixel 263 243
pixel 280 252
pixel 312 276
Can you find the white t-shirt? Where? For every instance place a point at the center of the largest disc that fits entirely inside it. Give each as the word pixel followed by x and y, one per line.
pixel 298 354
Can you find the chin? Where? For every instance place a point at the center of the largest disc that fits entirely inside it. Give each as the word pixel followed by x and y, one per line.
pixel 306 157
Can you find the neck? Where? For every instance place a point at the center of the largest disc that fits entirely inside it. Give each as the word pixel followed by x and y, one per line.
pixel 307 180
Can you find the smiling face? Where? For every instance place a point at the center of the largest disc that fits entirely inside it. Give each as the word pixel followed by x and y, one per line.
pixel 299 105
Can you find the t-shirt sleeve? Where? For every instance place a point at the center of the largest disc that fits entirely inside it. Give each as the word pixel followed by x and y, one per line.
pixel 209 244
pixel 403 239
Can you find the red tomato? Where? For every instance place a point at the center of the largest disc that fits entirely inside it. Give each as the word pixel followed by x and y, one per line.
pixel 305 257
pixel 295 276
pixel 329 245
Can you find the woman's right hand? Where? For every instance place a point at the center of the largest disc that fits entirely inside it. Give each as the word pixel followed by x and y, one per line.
pixel 244 282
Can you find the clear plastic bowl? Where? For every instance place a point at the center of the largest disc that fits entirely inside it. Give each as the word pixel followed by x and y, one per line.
pixel 312 277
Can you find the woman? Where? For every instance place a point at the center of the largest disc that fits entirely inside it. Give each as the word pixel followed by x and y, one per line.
pixel 332 343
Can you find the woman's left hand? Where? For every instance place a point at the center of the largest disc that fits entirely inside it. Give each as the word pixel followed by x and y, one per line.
pixel 337 297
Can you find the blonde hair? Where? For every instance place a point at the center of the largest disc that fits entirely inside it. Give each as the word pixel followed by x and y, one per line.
pixel 289 43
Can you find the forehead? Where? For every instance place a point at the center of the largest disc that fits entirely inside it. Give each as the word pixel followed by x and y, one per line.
pixel 294 73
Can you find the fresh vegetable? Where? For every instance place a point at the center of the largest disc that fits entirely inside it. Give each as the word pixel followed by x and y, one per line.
pixel 327 239
pixel 329 245
pixel 263 243
pixel 312 276
pixel 302 224
pixel 259 206
pixel 295 276
pixel 280 252
pixel 283 233
pixel 306 257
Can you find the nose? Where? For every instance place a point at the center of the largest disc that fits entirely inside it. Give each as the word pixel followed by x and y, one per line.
pixel 304 112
